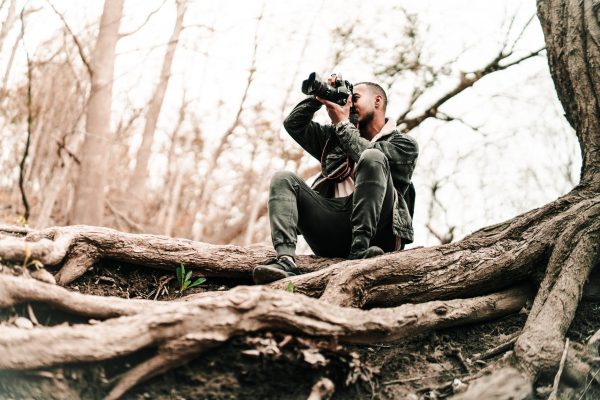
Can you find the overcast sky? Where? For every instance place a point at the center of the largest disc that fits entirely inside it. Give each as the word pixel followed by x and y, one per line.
pixel 212 66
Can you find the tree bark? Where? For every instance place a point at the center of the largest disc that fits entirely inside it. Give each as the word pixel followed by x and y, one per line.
pixel 77 248
pixel 90 187
pixel 182 331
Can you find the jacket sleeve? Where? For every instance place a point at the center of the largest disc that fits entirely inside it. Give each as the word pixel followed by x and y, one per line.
pixel 308 134
pixel 400 149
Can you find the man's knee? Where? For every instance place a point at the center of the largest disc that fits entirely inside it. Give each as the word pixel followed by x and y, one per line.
pixel 283 178
pixel 372 158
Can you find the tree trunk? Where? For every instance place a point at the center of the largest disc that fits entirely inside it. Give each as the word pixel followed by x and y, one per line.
pixel 572 33
pixel 140 173
pixel 90 186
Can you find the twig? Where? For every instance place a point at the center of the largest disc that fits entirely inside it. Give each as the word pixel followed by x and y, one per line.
pixel 559 373
pixel 467 80
pixel 465 379
pixel 501 348
pixel 161 286
pixel 152 13
pixel 457 353
pixel 75 40
pixel 29 120
pixel 414 379
pixel 129 221
pixel 588 384
pixel 32 315
pixel 595 338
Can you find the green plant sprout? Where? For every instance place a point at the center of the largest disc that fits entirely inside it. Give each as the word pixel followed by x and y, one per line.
pixel 185 279
pixel 290 287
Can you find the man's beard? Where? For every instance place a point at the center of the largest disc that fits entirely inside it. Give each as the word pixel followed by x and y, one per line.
pixel 366 119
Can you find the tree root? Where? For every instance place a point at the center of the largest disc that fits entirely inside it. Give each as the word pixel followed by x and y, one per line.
pixel 485 261
pixel 184 329
pixel 539 348
pixel 17 290
pixel 79 247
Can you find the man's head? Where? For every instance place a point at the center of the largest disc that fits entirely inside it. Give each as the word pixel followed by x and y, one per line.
pixel 369 100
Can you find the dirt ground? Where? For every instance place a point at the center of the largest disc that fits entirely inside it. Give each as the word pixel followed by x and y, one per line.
pixel 274 365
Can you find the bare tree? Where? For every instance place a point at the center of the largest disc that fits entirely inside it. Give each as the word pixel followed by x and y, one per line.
pixel 222 146
pixel 91 183
pixel 138 179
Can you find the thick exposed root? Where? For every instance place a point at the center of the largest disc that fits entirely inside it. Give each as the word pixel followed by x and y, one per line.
pixel 77 248
pixel 487 260
pixel 17 290
pixel 540 346
pixel 241 310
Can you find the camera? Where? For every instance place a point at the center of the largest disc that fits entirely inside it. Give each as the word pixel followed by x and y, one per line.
pixel 338 93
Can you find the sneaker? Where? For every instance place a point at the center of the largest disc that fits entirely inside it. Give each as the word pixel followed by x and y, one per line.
pixel 278 268
pixel 372 251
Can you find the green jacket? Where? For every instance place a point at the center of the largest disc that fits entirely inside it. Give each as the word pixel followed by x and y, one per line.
pixel 345 141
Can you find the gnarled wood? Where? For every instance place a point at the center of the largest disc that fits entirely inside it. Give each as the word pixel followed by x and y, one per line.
pixel 80 246
pixel 17 290
pixel 540 346
pixel 242 310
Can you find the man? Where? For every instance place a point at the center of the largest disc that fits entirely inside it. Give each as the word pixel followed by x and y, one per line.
pixel 356 207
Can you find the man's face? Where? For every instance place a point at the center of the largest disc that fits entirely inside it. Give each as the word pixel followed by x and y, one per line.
pixel 364 103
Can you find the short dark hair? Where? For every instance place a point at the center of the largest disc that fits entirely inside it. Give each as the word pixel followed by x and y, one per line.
pixel 377 89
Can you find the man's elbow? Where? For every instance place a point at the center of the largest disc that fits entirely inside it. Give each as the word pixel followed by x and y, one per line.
pixel 287 124
pixel 292 126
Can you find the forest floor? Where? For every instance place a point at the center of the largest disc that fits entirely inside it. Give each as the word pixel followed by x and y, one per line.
pixel 275 365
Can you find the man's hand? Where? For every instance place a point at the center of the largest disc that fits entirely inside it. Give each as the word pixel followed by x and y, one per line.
pixel 336 112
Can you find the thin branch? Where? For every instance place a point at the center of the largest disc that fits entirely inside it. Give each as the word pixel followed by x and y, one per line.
pixel 61 145
pixel 449 118
pixel 561 366
pixel 75 40
pixel 125 218
pixel 520 35
pixel 501 348
pixel 467 79
pixel 152 13
pixel 29 120
pixel 236 121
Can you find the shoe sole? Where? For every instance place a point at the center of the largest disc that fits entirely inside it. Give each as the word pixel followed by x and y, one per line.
pixel 371 252
pixel 265 274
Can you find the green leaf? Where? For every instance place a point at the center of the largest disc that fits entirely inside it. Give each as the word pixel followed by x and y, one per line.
pixel 180 271
pixel 188 277
pixel 185 285
pixel 198 281
pixel 290 287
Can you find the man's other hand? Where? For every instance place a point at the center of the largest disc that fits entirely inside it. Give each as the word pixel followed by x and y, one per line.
pixel 336 112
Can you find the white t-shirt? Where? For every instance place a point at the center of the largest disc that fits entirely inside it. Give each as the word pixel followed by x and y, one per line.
pixel 346 187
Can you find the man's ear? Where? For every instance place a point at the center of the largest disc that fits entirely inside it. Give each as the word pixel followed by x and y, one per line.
pixel 377 101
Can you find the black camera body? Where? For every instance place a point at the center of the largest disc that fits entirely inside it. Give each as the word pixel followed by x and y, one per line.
pixel 338 93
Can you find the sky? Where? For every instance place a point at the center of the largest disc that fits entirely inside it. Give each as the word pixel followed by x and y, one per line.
pixel 516 110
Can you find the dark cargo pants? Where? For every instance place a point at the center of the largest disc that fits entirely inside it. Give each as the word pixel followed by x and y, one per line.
pixel 333 227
